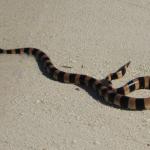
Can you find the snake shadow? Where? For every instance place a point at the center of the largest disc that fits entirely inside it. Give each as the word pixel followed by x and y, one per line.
pixel 89 90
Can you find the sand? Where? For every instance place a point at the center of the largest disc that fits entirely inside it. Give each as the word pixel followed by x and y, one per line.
pixel 92 37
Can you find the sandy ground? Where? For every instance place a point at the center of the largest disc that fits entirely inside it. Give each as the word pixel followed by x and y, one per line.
pixel 94 37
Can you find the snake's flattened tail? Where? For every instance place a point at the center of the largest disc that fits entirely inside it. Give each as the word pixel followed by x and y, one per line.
pixel 124 67
pixel 119 73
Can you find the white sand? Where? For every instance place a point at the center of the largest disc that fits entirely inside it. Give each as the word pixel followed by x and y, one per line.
pixel 40 114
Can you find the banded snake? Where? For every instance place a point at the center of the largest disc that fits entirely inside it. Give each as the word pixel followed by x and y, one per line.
pixel 114 96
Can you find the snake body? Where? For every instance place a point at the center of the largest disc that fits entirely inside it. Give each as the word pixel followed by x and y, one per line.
pixel 114 96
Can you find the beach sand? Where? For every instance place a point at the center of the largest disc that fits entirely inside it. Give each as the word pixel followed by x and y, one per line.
pixel 92 37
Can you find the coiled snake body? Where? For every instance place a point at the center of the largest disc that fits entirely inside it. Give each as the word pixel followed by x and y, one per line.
pixel 104 87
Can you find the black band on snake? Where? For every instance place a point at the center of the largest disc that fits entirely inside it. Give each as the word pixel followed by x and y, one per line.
pixel 104 87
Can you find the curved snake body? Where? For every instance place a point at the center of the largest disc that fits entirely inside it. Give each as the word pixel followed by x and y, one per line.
pixel 104 87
